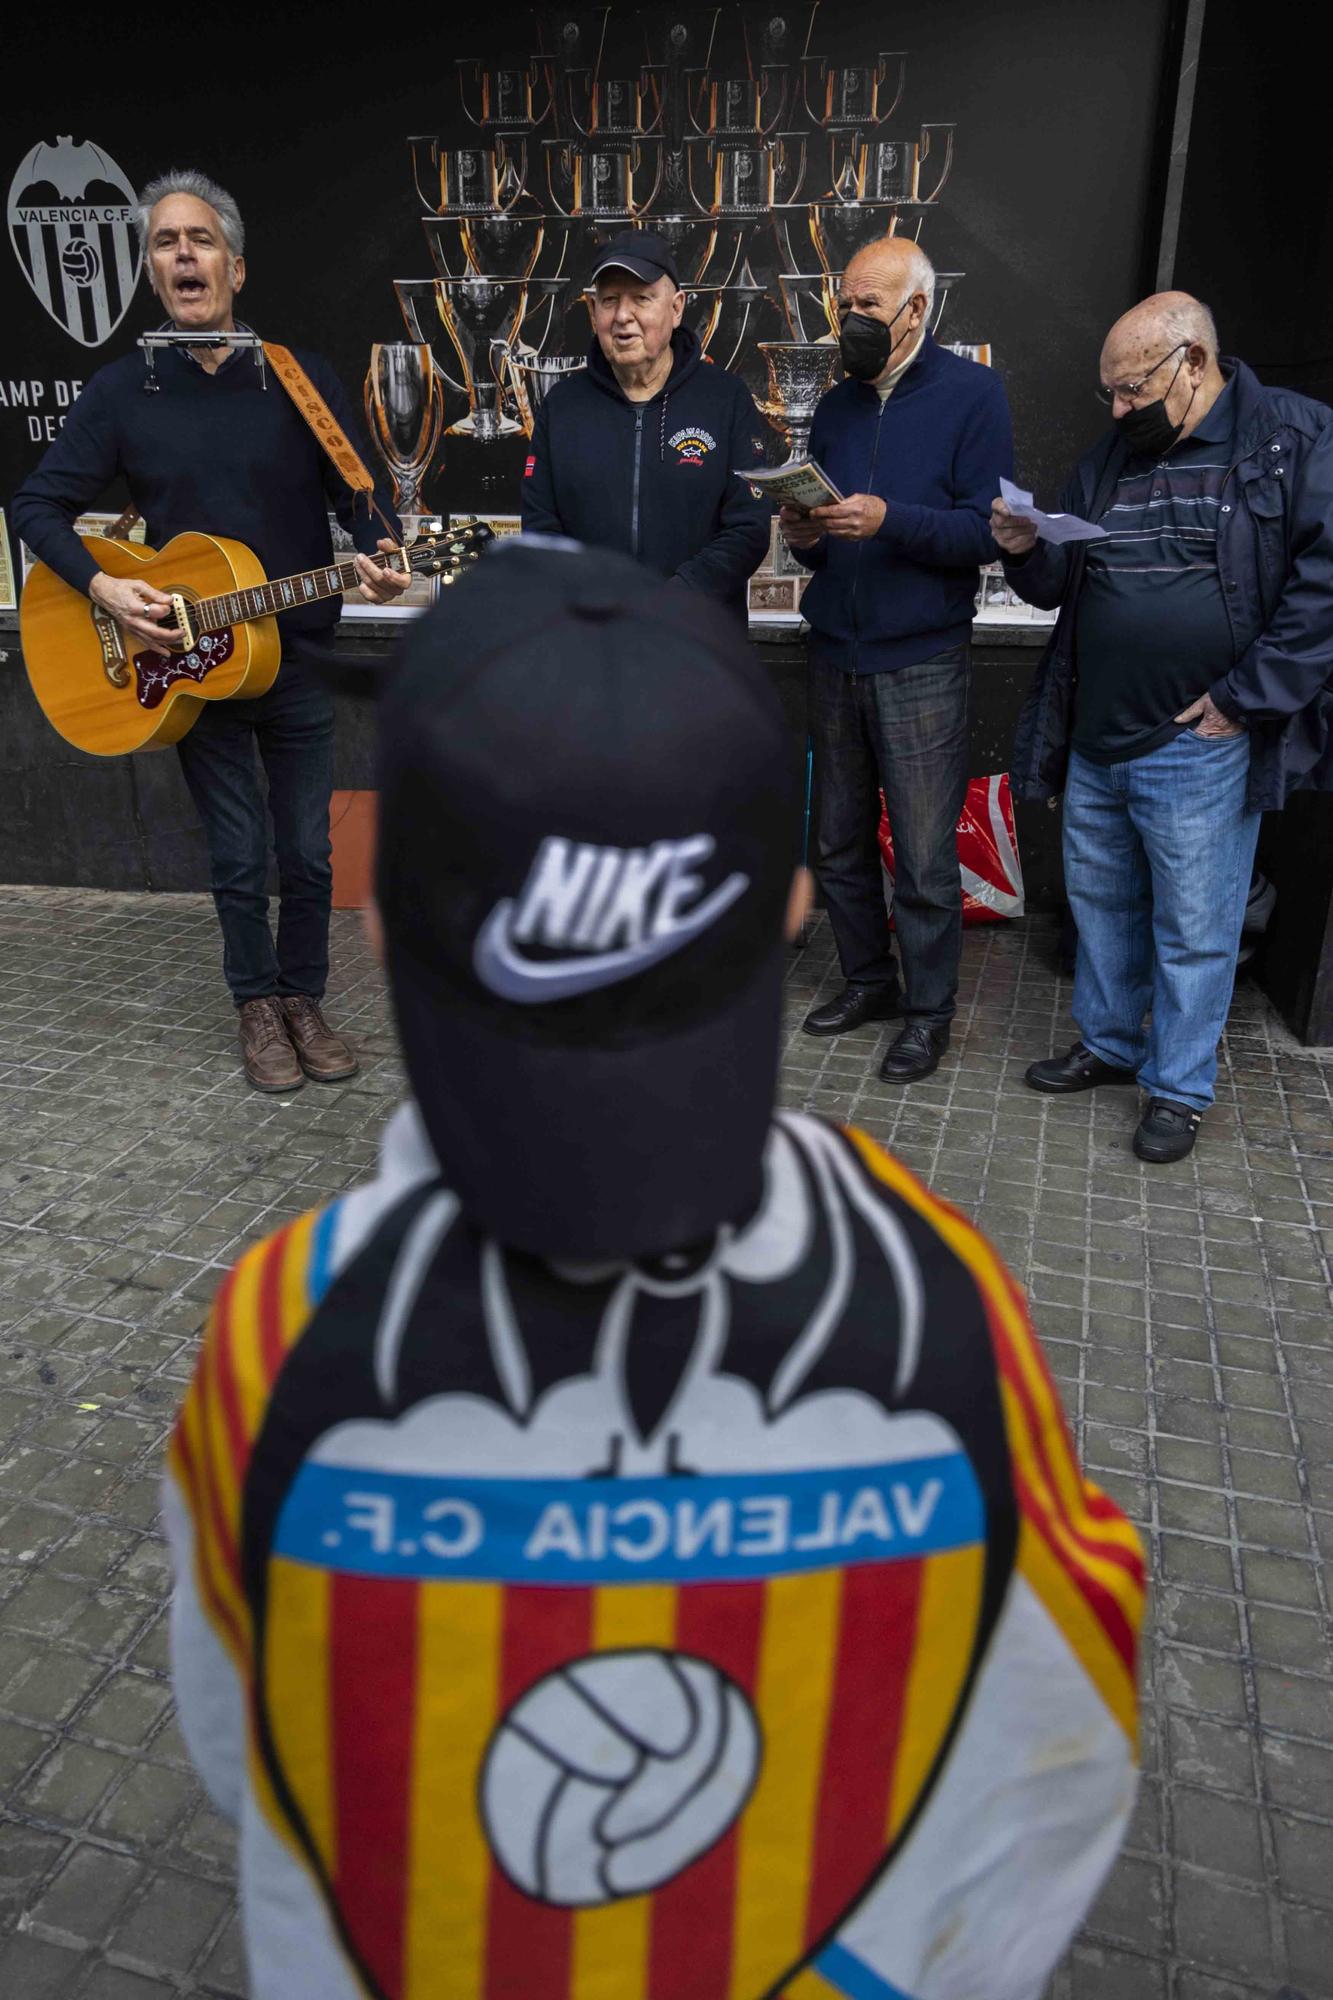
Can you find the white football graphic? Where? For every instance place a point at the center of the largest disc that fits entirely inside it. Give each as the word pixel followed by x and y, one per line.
pixel 610 1776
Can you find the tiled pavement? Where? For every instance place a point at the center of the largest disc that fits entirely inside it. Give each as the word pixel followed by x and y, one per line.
pixel 1185 1311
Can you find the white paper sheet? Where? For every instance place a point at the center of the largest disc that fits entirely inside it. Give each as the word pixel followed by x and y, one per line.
pixel 1050 527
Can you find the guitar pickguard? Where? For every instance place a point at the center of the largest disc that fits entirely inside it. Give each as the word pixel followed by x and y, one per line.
pixel 158 672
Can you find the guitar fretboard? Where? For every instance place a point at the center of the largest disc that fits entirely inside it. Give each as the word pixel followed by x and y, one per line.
pixel 288 593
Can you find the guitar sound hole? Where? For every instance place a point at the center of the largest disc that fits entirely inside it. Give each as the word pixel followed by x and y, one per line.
pixel 157 673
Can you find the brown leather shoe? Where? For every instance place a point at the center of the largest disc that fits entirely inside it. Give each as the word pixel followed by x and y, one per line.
pixel 324 1056
pixel 266 1049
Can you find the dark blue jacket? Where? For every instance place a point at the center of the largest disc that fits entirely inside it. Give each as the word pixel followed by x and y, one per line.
pixel 934 451
pixel 1275 559
pixel 218 453
pixel 655 480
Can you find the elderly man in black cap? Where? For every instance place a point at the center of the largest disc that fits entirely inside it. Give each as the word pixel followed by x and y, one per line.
pixel 637 452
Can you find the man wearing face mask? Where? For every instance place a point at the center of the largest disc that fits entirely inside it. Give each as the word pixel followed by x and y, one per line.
pixel 1181 695
pixel 917 438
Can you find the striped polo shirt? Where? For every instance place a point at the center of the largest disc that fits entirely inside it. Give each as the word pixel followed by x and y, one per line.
pixel 1153 631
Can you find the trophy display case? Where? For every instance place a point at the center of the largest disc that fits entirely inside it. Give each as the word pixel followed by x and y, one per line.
pixel 765 161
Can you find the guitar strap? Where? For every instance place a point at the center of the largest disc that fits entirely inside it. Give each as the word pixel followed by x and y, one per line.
pixel 328 432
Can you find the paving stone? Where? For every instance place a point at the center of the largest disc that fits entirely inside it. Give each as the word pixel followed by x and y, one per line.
pixel 147 1805
pixel 1218 1834
pixel 87 1892
pixel 34 1969
pixel 71 1783
pixel 1222 1924
pixel 134 1166
pixel 1299 1775
pixel 1304 1858
pixel 170 1926
pixel 113 1982
pixel 1101 1973
pixel 1212 1754
pixel 1309 1951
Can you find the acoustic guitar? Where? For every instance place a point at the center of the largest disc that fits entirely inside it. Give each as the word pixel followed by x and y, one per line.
pixel 108 693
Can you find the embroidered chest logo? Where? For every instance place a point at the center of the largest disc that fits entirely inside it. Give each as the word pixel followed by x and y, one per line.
pixel 692 445
pixel 610 912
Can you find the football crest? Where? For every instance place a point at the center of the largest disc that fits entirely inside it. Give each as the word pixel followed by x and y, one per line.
pixel 644 1611
pixel 71 221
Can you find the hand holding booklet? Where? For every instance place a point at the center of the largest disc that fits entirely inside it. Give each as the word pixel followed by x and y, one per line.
pixel 1050 527
pixel 800 483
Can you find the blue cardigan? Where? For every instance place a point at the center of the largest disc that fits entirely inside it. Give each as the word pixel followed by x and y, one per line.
pixel 934 451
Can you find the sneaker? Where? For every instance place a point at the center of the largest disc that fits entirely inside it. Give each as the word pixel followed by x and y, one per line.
pixel 1166 1130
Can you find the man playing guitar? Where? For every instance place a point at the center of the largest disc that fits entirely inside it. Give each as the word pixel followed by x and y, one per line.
pixel 214 450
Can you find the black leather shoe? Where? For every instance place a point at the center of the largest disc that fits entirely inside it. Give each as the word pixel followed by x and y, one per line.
pixel 1079 1070
pixel 914 1053
pixel 1166 1131
pixel 854 1006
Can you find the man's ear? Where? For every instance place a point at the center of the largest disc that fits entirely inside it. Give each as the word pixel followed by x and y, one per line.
pixel 800 902
pixel 237 273
pixel 677 308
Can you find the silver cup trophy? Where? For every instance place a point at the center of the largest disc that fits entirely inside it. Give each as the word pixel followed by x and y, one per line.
pixel 799 373
pixel 482 317
pixel 405 414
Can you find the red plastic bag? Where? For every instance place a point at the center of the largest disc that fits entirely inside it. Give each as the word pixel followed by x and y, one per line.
pixel 987 852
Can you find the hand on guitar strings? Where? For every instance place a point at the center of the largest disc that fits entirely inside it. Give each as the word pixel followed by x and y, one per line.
pixel 140 608
pixel 381 586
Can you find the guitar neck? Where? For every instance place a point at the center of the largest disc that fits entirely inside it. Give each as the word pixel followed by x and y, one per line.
pixel 289 593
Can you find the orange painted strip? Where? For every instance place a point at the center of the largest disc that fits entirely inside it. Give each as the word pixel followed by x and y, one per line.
pixel 946 1630
pixel 797 1660
pixel 458 1670
pixel 295 1667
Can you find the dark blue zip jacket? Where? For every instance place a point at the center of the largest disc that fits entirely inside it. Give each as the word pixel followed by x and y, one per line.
pixel 934 452
pixel 1275 559
pixel 655 480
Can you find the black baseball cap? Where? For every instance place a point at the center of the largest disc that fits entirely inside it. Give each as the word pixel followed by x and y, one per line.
pixel 640 252
pixel 587 804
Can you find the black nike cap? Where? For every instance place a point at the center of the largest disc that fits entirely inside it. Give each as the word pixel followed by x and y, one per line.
pixel 640 252
pixel 587 833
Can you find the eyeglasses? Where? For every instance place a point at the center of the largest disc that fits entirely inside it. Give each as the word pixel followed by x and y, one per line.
pixel 1125 392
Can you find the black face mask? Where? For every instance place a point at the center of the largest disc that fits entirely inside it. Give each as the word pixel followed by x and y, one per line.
pixel 866 344
pixel 1149 431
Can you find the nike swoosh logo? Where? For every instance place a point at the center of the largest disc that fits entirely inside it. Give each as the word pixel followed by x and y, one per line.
pixel 532 982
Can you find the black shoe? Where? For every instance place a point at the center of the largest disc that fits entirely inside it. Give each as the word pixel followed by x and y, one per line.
pixel 914 1053
pixel 1079 1070
pixel 854 1006
pixel 1166 1131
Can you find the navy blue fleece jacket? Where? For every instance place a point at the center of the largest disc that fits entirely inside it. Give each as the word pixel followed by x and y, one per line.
pixel 933 452
pixel 655 480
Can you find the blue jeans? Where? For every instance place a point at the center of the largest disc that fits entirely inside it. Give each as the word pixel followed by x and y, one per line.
pixel 291 727
pixel 904 732
pixel 1158 852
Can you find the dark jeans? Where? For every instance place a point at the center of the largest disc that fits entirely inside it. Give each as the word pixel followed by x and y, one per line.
pixel 904 732
pixel 291 727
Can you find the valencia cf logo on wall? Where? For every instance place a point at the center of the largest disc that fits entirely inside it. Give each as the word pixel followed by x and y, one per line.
pixel 71 221
pixel 692 445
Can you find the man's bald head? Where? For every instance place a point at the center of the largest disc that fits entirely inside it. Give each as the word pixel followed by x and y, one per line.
pixel 1163 349
pixel 893 281
pixel 1153 327
pixel 897 264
